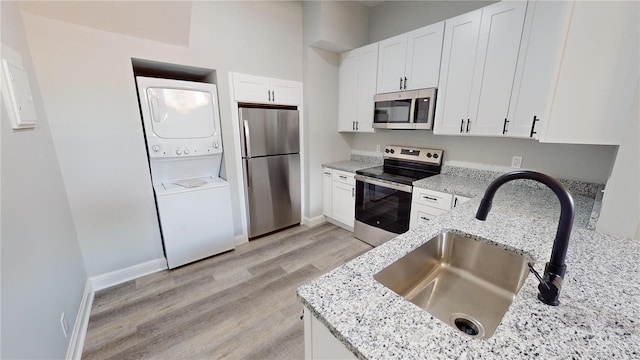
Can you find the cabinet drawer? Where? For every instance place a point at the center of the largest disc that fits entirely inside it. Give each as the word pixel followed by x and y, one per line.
pixel 436 199
pixel 344 177
pixel 421 214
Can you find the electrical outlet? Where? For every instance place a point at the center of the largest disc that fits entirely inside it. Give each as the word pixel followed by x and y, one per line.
pixel 377 148
pixel 65 325
pixel 516 162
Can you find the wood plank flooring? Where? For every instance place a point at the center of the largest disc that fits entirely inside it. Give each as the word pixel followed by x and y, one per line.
pixel 236 305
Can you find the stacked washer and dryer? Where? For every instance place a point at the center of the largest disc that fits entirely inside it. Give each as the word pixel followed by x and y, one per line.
pixel 184 142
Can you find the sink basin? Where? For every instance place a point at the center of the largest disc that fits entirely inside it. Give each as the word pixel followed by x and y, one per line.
pixel 467 283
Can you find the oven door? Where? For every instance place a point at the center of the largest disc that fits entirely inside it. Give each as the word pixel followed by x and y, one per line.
pixel 383 204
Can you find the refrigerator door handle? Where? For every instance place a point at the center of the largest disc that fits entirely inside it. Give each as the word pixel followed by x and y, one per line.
pixel 246 171
pixel 247 139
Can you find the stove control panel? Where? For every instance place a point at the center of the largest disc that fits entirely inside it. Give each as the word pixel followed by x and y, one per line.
pixel 430 156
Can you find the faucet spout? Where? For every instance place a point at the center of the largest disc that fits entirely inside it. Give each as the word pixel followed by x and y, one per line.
pixel 555 269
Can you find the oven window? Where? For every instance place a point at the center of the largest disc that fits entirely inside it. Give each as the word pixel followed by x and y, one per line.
pixel 393 111
pixel 382 207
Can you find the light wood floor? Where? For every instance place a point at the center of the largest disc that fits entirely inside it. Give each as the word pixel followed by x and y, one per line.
pixel 237 305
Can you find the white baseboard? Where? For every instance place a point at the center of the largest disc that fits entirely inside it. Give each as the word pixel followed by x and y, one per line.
pixel 104 281
pixel 76 343
pixel 241 239
pixel 338 223
pixel 314 221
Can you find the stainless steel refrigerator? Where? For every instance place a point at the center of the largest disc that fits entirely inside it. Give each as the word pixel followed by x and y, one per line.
pixel 271 164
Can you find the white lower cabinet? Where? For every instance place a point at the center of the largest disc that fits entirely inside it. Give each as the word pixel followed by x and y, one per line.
pixel 319 343
pixel 428 204
pixel 339 197
pixel 327 186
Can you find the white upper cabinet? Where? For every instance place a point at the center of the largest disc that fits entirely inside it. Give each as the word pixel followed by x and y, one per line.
pixel 580 71
pixel 411 60
pixel 456 73
pixel 357 87
pixel 263 90
pixel 496 58
pixel 480 54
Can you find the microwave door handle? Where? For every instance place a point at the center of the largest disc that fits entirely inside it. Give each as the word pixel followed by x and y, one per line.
pixel 412 113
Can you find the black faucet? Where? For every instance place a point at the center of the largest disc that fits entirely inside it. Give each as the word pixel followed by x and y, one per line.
pixel 554 270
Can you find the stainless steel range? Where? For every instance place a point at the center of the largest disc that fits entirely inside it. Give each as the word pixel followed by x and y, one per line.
pixel 383 193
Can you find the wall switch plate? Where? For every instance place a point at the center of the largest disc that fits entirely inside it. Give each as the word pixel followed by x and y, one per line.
pixel 516 162
pixel 377 148
pixel 65 325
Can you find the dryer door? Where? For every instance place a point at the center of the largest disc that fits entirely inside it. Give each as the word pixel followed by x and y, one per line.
pixel 182 114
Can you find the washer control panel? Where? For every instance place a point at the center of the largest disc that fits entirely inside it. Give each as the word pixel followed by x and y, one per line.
pixel 192 149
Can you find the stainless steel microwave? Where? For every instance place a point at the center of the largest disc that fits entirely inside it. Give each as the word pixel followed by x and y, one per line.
pixel 412 109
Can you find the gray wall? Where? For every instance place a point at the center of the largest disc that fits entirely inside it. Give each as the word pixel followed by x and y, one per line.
pixel 392 18
pixel 42 270
pixel 579 162
pixel 89 92
pixel 590 163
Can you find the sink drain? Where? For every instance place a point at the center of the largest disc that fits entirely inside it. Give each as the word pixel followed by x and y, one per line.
pixel 467 326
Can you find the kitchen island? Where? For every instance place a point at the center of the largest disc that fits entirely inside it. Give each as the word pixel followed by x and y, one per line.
pixel 599 308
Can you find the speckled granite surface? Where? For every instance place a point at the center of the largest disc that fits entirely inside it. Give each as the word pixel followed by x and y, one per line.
pixel 356 163
pixel 486 176
pixel 598 316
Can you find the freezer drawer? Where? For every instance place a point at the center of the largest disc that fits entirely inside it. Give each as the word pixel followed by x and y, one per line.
pixel 196 224
pixel 272 185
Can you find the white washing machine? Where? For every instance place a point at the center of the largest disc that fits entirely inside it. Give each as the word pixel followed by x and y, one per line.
pixel 184 141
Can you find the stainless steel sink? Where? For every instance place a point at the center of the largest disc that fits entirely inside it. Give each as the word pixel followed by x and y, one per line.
pixel 467 283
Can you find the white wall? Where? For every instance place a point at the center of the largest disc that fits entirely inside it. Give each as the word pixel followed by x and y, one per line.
pixel 89 93
pixel 392 18
pixel 41 264
pixel 620 213
pixel 591 163
pixel 327 25
pixel 336 25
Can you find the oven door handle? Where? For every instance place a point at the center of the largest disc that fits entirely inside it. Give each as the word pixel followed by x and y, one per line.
pixel 384 183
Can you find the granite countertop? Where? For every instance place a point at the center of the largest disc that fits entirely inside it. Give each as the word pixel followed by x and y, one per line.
pixel 599 307
pixel 356 163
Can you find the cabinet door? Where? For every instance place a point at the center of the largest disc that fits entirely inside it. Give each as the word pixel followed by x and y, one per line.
pixel 424 50
pixel 348 91
pixel 327 185
pixel 456 73
pixel 459 200
pixel 494 71
pixel 285 92
pixel 598 74
pixel 343 203
pixel 391 62
pixel 367 73
pixel 543 38
pixel 251 88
